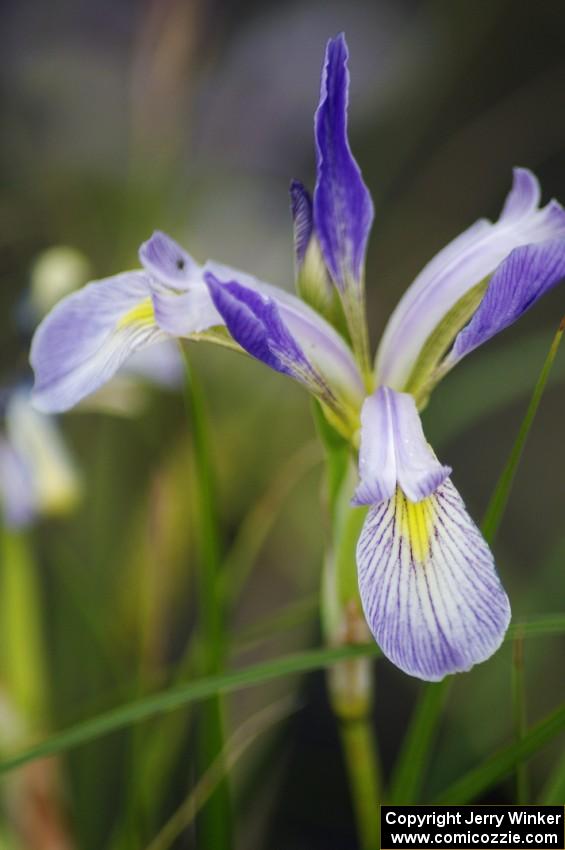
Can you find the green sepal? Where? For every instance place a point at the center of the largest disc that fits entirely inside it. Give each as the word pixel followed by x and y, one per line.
pixel 337 453
pixel 425 373
pixel 314 286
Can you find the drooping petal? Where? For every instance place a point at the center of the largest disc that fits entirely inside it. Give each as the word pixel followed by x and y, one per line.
pixel 471 258
pixel 520 281
pixel 394 451
pixel 343 209
pixel 285 333
pixel 429 587
pixel 87 337
pixel 167 262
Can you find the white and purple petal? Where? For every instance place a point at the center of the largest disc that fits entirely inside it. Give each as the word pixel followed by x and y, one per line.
pixel 428 585
pixel 254 322
pixel 518 283
pixel 343 209
pixel 88 335
pixel 471 258
pixel 394 451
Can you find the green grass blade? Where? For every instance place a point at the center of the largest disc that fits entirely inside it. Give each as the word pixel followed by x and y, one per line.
pixel 499 499
pixel 182 695
pixel 497 767
pixel 506 385
pixel 215 820
pixel 546 624
pixel 554 792
pixel 520 714
pixel 251 728
pixel 412 762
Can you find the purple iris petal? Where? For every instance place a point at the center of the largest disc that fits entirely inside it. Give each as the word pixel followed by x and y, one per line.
pixel 428 585
pixel 254 322
pixel 85 339
pixel 526 275
pixel 301 209
pixel 167 261
pixel 394 451
pixel 461 265
pixel 343 210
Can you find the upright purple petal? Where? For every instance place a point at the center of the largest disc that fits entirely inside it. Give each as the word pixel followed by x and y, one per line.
pixel 394 451
pixel 301 209
pixel 428 585
pixel 518 283
pixel 471 258
pixel 343 209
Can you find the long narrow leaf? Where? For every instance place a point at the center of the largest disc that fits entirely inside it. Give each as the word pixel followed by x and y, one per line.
pixel 215 818
pixel 497 767
pixel 413 759
pixel 499 499
pixel 182 695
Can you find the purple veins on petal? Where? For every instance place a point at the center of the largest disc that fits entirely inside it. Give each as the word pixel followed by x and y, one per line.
pixel 343 209
pixel 254 322
pixel 301 209
pixel 518 283
pixel 428 585
pixel 85 339
pixel 285 333
pixel 465 262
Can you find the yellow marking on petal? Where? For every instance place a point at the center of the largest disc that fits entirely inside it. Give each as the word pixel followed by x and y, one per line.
pixel 416 523
pixel 141 314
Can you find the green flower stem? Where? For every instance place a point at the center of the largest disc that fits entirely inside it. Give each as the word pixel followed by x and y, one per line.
pixel 350 683
pixel 358 742
pixel 215 821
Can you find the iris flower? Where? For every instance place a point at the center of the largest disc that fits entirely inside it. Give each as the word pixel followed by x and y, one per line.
pixel 427 580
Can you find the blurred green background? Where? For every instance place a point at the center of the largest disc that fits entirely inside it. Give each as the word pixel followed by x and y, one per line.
pixel 121 117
